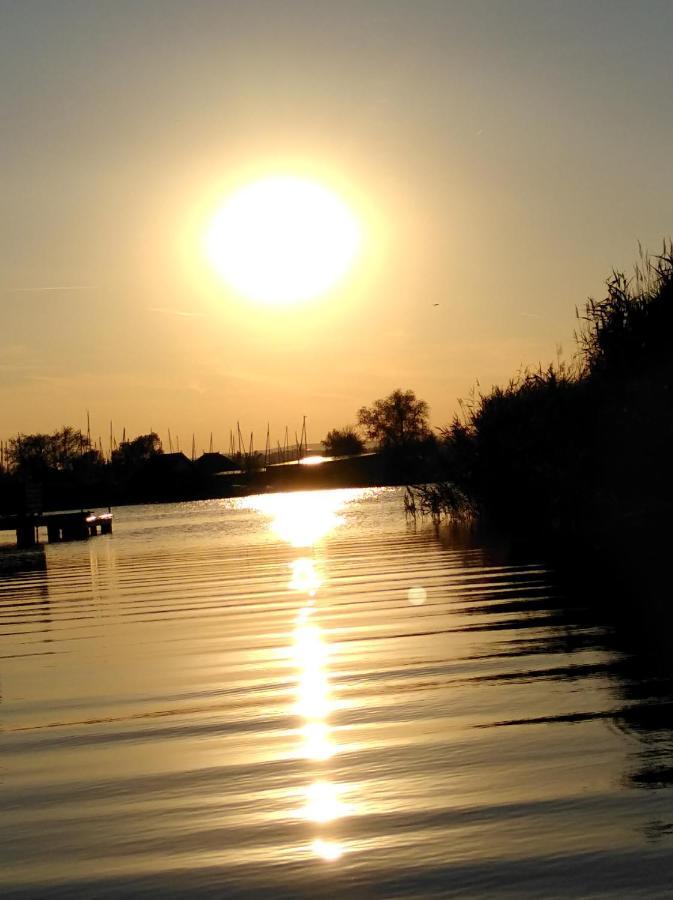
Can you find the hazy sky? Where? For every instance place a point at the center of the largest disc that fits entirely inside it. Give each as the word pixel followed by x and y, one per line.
pixel 503 157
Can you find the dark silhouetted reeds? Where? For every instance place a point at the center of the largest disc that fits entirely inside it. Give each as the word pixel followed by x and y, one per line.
pixel 581 451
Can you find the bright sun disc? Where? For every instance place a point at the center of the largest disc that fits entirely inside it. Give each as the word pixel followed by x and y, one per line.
pixel 283 239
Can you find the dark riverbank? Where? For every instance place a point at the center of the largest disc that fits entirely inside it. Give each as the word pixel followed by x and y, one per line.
pixel 579 456
pixel 173 477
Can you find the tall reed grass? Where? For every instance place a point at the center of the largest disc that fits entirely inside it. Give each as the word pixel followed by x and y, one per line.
pixel 578 449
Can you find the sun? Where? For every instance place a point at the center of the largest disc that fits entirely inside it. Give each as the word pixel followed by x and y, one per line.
pixel 282 240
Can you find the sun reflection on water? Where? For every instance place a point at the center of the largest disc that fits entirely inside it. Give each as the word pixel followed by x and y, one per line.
pixel 323 802
pixel 323 798
pixel 302 519
pixel 313 694
pixel 317 741
pixel 327 850
pixel 305 576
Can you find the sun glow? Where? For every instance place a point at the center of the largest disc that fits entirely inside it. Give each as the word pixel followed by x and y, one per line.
pixel 283 239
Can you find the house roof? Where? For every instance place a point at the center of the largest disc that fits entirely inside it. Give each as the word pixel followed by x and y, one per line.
pixel 170 461
pixel 215 462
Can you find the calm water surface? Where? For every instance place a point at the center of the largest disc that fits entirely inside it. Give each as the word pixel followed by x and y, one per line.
pixel 299 695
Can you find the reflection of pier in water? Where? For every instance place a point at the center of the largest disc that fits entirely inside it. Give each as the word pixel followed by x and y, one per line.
pixel 38 591
pixel 23 580
pixel 14 562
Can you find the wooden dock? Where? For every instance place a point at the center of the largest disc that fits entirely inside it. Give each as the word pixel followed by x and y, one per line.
pixel 61 526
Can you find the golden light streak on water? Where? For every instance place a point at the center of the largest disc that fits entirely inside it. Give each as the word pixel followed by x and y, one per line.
pixel 192 707
pixel 317 741
pixel 313 705
pixel 323 802
pixel 313 701
pixel 327 850
pixel 305 576
pixel 302 518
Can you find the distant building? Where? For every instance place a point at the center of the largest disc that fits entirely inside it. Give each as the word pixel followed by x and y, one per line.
pixel 168 465
pixel 213 463
pixel 166 476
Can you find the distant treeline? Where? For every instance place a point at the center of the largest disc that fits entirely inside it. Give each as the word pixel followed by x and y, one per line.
pixel 581 451
pixel 66 470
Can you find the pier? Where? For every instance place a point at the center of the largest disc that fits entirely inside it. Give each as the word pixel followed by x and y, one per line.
pixel 61 526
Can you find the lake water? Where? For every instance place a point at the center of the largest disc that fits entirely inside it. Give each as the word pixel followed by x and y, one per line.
pixel 302 695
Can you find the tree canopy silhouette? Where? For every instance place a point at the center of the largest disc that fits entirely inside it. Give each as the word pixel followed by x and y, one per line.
pixel 37 455
pixel 130 456
pixel 343 442
pixel 396 421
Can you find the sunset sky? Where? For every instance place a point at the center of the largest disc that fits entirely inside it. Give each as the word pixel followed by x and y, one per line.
pixel 500 159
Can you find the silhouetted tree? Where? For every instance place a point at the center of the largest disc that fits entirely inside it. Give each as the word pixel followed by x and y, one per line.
pixel 68 445
pixel 30 455
pixel 343 442
pixel 38 455
pixel 396 421
pixel 131 455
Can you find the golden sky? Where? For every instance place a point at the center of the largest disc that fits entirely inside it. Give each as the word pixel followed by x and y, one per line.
pixel 500 157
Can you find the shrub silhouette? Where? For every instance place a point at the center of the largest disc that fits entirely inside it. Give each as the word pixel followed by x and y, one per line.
pixel 343 442
pixel 582 449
